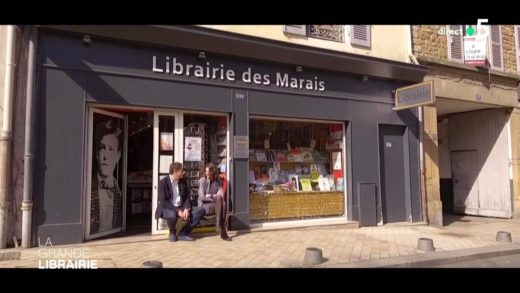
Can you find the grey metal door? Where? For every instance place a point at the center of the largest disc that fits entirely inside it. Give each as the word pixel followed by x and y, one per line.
pixel 391 155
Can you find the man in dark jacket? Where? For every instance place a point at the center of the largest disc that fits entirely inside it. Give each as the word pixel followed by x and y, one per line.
pixel 174 203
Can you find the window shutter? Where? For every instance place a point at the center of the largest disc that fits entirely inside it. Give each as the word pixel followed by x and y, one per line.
pixel 360 35
pixel 455 44
pixel 496 48
pixel 295 29
pixel 517 31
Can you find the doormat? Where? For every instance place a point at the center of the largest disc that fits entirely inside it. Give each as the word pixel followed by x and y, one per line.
pixel 9 256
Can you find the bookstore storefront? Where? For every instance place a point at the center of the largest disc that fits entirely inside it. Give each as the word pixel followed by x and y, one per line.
pixel 130 148
pixel 291 145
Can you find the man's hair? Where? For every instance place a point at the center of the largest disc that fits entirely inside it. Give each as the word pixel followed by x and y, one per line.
pixel 175 166
pixel 106 127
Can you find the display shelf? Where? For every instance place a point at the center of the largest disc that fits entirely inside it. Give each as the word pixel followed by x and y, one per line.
pixel 140 198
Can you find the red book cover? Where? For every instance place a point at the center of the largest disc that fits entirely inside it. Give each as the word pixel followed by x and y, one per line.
pixel 337 174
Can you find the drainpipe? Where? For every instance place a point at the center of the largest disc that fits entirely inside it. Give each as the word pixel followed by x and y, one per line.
pixel 27 203
pixel 7 135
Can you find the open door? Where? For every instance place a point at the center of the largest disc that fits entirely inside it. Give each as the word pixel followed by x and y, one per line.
pixel 167 149
pixel 106 164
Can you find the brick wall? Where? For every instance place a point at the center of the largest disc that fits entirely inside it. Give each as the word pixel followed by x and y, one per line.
pixel 428 42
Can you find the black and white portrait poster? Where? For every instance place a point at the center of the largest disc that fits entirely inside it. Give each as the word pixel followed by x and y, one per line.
pixel 106 196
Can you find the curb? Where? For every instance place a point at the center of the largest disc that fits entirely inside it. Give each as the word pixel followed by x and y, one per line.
pixel 433 258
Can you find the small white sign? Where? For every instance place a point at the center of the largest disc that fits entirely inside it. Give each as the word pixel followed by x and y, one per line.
pixel 192 148
pixel 336 159
pixel 475 51
pixel 164 164
pixel 388 144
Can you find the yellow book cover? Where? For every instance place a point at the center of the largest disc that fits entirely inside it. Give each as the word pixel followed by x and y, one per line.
pixel 306 184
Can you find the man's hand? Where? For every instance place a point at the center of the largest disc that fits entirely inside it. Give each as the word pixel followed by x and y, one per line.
pixel 208 195
pixel 183 214
pixel 186 215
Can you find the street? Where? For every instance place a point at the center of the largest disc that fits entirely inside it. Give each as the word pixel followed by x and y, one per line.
pixel 507 261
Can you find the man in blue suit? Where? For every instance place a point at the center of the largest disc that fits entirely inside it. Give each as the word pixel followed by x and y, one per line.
pixel 174 203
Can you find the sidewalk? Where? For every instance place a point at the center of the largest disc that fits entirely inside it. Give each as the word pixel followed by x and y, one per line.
pixel 389 245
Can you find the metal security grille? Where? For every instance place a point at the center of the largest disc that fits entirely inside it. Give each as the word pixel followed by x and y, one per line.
pixel 326 32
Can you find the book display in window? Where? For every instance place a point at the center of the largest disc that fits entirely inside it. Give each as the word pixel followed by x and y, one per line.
pixel 335 146
pixel 291 173
pixel 269 168
pixel 302 149
pixel 221 143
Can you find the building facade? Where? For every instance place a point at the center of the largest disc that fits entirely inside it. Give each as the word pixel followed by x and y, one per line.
pixel 302 128
pixel 470 135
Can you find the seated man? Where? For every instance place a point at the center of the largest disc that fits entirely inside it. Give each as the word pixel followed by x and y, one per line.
pixel 174 203
pixel 211 198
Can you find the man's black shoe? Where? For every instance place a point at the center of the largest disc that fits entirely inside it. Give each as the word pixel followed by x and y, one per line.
pixel 224 236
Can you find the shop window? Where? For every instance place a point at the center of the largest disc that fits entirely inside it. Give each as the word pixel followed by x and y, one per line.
pixel 295 170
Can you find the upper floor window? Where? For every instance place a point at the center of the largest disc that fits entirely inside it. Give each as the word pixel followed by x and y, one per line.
pixel 495 44
pixel 326 32
pixel 360 35
pixel 456 45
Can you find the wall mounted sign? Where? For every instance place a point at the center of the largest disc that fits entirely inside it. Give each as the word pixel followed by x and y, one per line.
pixel 241 147
pixel 414 95
pixel 219 72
